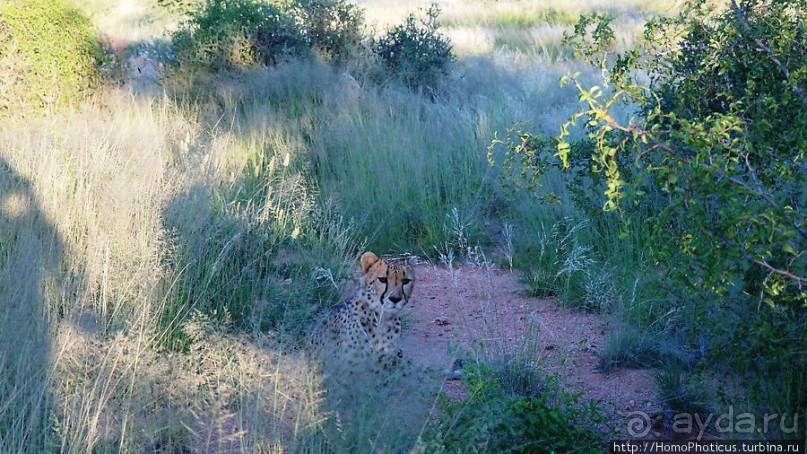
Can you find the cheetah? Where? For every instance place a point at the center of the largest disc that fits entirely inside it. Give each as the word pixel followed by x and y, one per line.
pixel 388 329
pixel 366 327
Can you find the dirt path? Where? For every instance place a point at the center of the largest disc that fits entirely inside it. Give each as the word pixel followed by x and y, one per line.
pixel 477 306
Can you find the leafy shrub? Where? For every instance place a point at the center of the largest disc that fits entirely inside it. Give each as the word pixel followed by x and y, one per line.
pixel 226 34
pixel 179 6
pixel 243 33
pixel 333 28
pixel 491 419
pixel 713 169
pixel 720 156
pixel 722 139
pixel 415 52
pixel 48 55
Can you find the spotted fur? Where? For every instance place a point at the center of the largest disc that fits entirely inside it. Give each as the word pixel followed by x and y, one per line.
pixel 367 327
pixel 388 331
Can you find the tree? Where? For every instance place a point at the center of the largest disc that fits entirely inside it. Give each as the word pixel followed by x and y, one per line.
pixel 711 162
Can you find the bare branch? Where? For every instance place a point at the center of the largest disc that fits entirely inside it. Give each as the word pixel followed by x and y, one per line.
pixel 784 273
pixel 758 192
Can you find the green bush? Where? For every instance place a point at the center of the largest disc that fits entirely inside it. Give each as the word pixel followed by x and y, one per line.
pixel 718 158
pixel 179 6
pixel 713 169
pixel 228 34
pixel 492 419
pixel 416 52
pixel 719 153
pixel 225 34
pixel 48 55
pixel 334 28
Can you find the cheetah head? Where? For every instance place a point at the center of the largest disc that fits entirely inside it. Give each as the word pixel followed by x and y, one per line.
pixel 388 279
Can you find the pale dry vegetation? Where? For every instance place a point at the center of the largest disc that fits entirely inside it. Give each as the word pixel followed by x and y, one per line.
pixel 164 251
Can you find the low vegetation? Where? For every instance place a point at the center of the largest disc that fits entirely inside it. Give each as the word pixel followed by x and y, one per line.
pixel 165 251
pixel 48 56
pixel 494 419
pixel 706 180
pixel 416 52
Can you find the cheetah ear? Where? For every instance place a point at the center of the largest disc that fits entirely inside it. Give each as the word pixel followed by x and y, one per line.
pixel 368 259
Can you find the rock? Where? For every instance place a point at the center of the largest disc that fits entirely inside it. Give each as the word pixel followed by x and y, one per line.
pixel 457 370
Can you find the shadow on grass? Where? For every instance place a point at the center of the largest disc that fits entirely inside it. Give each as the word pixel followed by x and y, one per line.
pixel 371 411
pixel 30 256
pixel 236 257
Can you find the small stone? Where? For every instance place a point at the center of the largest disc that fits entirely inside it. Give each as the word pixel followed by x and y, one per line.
pixel 455 375
pixel 457 370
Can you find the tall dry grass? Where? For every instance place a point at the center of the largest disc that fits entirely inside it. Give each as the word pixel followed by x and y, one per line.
pixel 84 205
pixel 162 253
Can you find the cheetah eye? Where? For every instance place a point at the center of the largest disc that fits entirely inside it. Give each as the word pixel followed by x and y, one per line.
pixel 383 280
pixel 406 281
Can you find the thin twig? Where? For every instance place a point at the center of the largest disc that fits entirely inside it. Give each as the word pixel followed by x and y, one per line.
pixel 778 271
pixel 747 26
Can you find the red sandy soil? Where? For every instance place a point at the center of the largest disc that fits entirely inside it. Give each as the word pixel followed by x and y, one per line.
pixel 454 311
